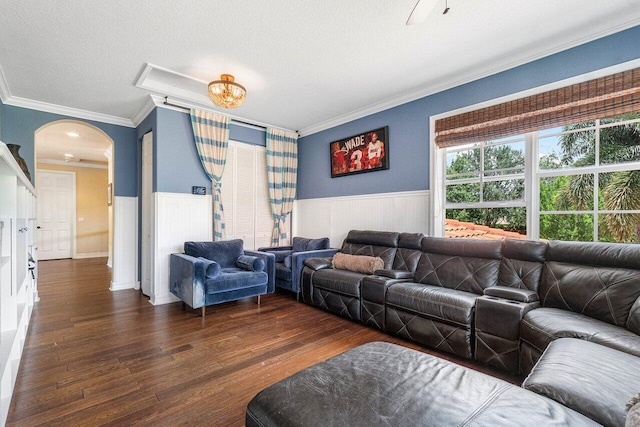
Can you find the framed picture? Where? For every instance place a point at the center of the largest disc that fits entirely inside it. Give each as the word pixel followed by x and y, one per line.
pixel 365 152
pixel 109 194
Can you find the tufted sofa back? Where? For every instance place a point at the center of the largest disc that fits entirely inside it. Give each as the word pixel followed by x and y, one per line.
pixel 409 251
pixel 522 263
pixel 469 265
pixel 381 244
pixel 599 280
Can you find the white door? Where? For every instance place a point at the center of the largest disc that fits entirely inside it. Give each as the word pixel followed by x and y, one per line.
pixel 56 213
pixel 147 214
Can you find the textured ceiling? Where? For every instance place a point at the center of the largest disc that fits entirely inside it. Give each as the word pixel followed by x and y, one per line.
pixel 304 64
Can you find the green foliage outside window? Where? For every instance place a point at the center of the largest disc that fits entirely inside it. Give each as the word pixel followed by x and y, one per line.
pixel 617 191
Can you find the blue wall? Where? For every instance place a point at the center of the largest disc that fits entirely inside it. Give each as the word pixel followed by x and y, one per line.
pixel 20 124
pixel 177 166
pixel 409 123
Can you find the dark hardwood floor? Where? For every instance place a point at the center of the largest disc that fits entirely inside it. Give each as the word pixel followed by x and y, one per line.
pixel 95 357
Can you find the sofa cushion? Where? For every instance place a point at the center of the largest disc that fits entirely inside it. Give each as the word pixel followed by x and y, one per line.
pixel 373 238
pixel 408 252
pixel 287 261
pixel 594 380
pixel 456 272
pixel 603 293
pixel 633 323
pixel 281 254
pixel 372 243
pixel 521 265
pixel 357 263
pixel 302 244
pixel 340 281
pixel 282 272
pixel 446 305
pixel 235 278
pixel 541 326
pixel 224 253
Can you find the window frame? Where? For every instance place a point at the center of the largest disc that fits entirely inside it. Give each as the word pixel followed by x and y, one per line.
pixel 532 173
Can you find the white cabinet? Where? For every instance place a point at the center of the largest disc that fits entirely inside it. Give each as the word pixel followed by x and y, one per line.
pixel 18 284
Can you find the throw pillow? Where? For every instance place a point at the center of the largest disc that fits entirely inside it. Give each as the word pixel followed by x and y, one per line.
pixel 633 412
pixel 357 263
pixel 250 263
pixel 212 268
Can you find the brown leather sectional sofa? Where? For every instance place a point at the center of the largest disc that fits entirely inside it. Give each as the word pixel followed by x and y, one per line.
pixel 500 302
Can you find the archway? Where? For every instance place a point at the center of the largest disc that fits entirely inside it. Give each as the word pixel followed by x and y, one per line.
pixel 82 153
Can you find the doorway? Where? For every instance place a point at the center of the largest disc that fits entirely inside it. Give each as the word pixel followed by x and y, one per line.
pixel 56 214
pixel 73 172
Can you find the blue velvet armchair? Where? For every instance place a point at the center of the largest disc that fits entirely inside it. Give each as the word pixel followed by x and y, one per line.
pixel 289 260
pixel 215 272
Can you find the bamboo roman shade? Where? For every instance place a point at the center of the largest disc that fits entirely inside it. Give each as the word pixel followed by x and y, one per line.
pixel 599 98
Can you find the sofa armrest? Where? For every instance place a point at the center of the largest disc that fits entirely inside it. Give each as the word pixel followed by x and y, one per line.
pixel 269 267
pixel 298 263
pixel 395 274
pixel 187 276
pixel 281 252
pixel 318 263
pixel 514 294
pixel 275 248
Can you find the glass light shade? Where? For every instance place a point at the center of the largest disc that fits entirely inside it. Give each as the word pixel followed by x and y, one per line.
pixel 227 93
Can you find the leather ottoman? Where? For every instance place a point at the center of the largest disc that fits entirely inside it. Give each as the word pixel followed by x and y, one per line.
pixel 592 379
pixel 385 384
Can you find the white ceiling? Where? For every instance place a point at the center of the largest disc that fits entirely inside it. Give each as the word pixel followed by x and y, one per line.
pixel 306 64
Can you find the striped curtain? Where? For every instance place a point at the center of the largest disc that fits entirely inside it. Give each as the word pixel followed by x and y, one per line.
pixel 282 171
pixel 211 134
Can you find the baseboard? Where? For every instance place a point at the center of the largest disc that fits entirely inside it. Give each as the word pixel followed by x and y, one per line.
pixel 164 299
pixel 120 286
pixel 91 255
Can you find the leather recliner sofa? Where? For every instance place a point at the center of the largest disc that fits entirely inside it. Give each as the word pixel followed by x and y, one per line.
pixel 589 291
pixel 500 302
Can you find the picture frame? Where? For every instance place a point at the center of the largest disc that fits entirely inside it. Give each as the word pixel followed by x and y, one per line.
pixel 364 152
pixel 110 194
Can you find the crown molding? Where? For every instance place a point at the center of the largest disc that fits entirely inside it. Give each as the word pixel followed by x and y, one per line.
pixel 146 109
pixel 68 111
pixel 459 81
pixel 5 93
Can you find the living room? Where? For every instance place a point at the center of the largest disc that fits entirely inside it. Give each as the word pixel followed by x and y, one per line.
pixel 541 48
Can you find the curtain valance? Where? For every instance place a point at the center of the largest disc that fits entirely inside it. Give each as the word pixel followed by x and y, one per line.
pixel 607 96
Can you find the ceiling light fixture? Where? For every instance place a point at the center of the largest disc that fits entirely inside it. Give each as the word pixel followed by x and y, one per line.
pixel 446 7
pixel 226 92
pixel 73 134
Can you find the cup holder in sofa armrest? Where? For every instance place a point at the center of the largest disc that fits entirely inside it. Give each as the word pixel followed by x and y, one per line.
pixel 394 274
pixel 520 295
pixel 318 263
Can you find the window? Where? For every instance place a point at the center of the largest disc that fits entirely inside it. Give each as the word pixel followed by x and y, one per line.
pixel 583 182
pixel 484 184
pixel 245 195
pixel 588 177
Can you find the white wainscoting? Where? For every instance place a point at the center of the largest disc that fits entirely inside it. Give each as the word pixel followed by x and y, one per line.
pixel 124 274
pixel 179 218
pixel 406 211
